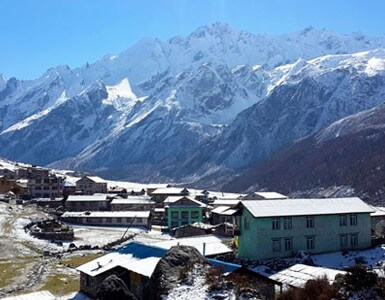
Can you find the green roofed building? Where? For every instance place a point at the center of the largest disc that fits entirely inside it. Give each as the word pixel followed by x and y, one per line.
pixel 183 210
pixel 279 228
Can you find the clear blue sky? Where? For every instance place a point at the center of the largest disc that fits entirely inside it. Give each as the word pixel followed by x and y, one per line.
pixel 38 34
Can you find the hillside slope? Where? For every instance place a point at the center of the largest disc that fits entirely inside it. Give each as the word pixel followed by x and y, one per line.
pixel 348 153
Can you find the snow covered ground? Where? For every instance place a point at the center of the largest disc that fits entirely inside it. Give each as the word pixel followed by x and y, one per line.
pixel 25 252
pixel 372 257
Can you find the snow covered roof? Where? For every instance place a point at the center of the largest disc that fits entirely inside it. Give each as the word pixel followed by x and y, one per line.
pixel 266 195
pixel 106 214
pixel 173 199
pixel 137 257
pixel 214 245
pixel 100 197
pixel 225 196
pixel 169 191
pixel 378 211
pixel 301 207
pixel 299 274
pixel 220 209
pixel 229 212
pixel 229 202
pixel 197 225
pixel 157 185
pixel 96 179
pixel 42 295
pixel 133 200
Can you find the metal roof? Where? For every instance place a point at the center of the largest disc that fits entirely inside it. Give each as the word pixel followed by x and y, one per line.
pixel 301 207
pixel 106 214
pixel 137 257
pixel 133 200
pixel 266 195
pixel 214 245
pixel 299 274
pixel 170 200
pixel 378 211
pixel 102 197
pixel 169 191
pixel 220 209
pixel 229 202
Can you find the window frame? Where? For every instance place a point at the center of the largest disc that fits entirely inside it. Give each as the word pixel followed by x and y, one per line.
pixel 275 223
pixel 344 244
pixel 288 241
pixel 355 236
pixel 353 220
pixel 194 214
pixel 310 222
pixel 312 242
pixel 287 223
pixel 343 221
pixel 276 245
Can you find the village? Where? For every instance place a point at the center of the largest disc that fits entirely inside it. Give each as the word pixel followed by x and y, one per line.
pixel 93 228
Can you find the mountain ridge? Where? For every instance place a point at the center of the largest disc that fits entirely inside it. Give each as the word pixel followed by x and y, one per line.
pixel 213 103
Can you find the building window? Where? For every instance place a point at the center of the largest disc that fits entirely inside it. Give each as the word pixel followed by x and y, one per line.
pixel 354 240
pixel 38 181
pixel 353 219
pixel 184 214
pixel 310 242
pixel 287 224
pixel 288 244
pixel 276 223
pixel 276 245
pixel 246 224
pixel 343 241
pixel 195 214
pixel 174 214
pixel 118 220
pixel 343 220
pixel 109 220
pixel 310 222
pixel 174 224
pixel 139 220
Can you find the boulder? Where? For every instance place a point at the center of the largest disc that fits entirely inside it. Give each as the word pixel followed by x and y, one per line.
pixel 172 268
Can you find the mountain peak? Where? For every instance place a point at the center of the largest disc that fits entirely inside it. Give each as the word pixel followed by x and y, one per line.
pixel 214 29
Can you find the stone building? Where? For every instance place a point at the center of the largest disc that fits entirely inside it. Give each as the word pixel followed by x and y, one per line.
pixel 110 218
pixel 90 185
pixel 46 186
pixel 132 203
pixel 99 202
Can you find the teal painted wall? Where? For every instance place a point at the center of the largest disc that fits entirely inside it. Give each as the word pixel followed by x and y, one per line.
pixel 256 242
pixel 179 219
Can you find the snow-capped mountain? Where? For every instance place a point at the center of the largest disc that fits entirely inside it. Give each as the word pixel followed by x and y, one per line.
pixel 307 97
pixel 215 101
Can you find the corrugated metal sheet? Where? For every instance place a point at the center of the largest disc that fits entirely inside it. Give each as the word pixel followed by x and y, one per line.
pixel 302 207
pixel 299 274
